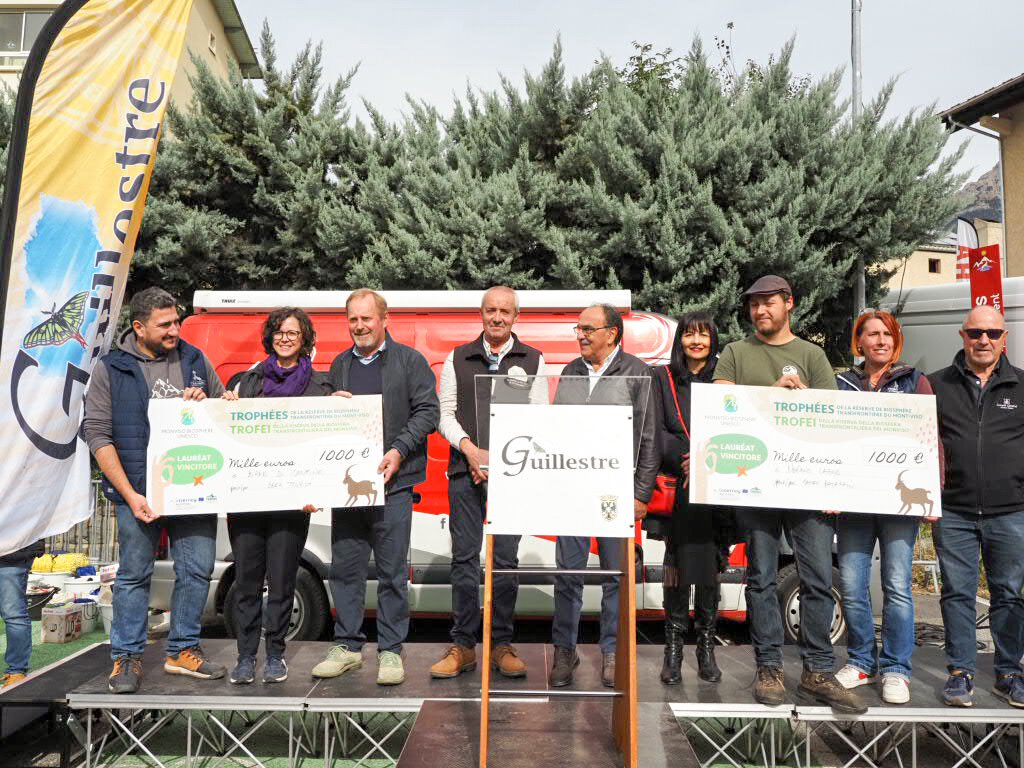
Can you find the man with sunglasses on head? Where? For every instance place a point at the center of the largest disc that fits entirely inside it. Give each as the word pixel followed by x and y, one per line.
pixel 980 403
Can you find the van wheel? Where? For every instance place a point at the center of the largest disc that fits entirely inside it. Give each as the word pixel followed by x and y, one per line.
pixel 788 590
pixel 309 609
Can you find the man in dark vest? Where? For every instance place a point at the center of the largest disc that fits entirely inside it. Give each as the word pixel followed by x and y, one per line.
pixel 496 351
pixel 376 364
pixel 151 361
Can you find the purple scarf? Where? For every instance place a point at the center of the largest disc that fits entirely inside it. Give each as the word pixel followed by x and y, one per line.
pixel 286 382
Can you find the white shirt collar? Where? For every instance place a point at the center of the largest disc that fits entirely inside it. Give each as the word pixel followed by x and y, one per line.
pixel 367 359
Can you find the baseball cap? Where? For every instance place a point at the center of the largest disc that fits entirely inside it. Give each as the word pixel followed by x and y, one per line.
pixel 767 285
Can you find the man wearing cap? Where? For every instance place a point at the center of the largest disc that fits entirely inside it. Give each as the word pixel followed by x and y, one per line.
pixel 774 357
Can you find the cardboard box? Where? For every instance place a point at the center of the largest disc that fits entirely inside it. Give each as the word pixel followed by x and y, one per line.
pixel 61 623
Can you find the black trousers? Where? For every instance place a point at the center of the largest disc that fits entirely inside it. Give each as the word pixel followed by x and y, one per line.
pixel 266 545
pixel 705 608
pixel 468 505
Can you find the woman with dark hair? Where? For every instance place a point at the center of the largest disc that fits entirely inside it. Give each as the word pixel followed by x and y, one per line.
pixel 699 535
pixel 268 544
pixel 878 338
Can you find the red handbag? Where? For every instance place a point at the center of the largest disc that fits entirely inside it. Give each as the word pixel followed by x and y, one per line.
pixel 663 499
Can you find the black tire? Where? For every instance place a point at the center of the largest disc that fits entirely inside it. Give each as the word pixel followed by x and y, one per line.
pixel 310 611
pixel 788 590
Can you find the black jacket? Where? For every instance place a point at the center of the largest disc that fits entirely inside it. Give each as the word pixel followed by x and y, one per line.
pixel 411 408
pixel 250 383
pixel 983 438
pixel 23 557
pixel 672 438
pixel 646 415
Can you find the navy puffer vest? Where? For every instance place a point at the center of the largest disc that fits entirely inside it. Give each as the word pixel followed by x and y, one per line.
pixel 129 396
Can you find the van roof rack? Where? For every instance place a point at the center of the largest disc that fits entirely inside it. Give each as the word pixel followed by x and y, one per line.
pixel 405 301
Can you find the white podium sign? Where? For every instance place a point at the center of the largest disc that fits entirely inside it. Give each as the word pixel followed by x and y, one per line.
pixel 560 470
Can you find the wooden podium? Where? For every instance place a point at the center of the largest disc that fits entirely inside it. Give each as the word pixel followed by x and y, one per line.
pixel 624 695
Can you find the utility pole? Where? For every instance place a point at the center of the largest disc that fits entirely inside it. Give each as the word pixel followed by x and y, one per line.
pixel 859 290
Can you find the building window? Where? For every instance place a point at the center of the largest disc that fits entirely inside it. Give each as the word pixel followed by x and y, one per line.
pixel 18 31
pixel 212 44
pixel 935 266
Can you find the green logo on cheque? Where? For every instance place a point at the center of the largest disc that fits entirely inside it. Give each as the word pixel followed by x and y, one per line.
pixel 735 454
pixel 191 461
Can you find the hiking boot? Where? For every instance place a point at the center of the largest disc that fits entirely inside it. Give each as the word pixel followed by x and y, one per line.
pixel 895 689
pixel 244 671
pixel 389 668
pixel 193 663
pixel 339 660
pixel 959 689
pixel 505 659
pixel 671 668
pixel 566 660
pixel 11 678
pixel 1010 688
pixel 608 669
pixel 275 670
pixel 824 688
pixel 852 677
pixel 770 687
pixel 456 660
pixel 126 675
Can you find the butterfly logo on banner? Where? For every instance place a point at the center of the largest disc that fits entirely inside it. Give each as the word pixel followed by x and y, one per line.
pixel 61 326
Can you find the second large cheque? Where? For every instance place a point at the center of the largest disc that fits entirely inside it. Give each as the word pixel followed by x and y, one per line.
pixel 264 454
pixel 814 449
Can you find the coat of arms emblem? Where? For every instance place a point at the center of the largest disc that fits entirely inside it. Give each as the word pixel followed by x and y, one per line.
pixel 609 507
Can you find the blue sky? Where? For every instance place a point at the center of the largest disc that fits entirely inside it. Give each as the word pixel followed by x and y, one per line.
pixel 943 51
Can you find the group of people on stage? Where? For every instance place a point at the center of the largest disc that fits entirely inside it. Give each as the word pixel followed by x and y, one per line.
pixel 980 401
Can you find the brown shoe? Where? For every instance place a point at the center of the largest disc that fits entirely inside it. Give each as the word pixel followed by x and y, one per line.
pixel 457 659
pixel 824 688
pixel 770 688
pixel 608 669
pixel 505 659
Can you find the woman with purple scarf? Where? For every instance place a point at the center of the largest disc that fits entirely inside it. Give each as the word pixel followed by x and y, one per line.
pixel 269 544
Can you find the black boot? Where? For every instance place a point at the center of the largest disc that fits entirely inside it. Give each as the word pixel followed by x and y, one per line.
pixel 671 670
pixel 676 609
pixel 705 619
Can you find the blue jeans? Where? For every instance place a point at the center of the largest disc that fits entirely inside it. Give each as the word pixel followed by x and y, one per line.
pixel 356 532
pixel 467 504
pixel 896 536
pixel 811 535
pixel 998 538
pixel 572 552
pixel 193 549
pixel 14 611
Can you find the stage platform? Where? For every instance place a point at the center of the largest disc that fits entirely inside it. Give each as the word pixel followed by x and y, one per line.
pixel 352 717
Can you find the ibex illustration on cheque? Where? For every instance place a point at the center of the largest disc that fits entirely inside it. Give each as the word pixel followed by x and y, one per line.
pixel 357 488
pixel 912 496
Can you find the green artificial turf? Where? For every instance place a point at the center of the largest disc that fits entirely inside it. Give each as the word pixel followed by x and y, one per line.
pixel 44 654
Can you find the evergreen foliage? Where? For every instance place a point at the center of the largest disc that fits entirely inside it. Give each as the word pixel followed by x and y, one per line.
pixel 677 177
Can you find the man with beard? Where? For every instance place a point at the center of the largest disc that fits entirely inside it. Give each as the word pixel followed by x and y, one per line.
pixel 151 361
pixel 495 352
pixel 378 365
pixel 774 357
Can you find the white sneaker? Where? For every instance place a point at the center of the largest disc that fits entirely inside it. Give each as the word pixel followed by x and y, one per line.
pixel 895 689
pixel 851 677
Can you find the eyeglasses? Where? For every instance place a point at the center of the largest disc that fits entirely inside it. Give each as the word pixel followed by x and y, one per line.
pixel 976 333
pixel 588 331
pixel 290 335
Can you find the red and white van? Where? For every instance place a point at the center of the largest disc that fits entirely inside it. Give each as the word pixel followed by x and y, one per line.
pixel 226 326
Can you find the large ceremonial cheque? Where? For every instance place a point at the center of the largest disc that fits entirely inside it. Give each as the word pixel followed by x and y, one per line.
pixel 560 470
pixel 814 449
pixel 264 454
